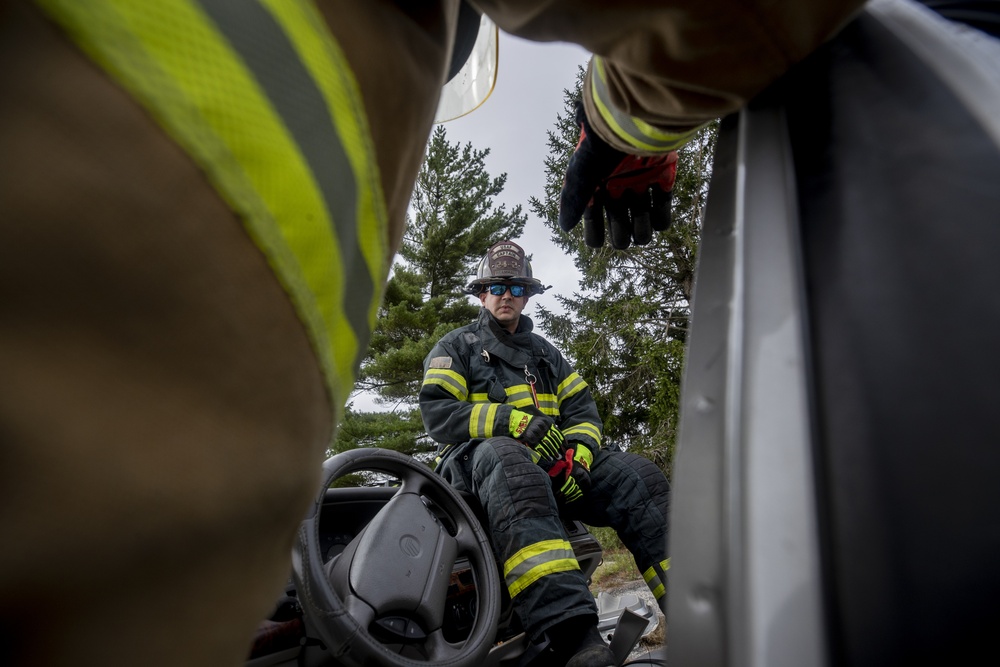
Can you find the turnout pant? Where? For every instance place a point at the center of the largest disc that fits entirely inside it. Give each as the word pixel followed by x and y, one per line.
pixel 546 586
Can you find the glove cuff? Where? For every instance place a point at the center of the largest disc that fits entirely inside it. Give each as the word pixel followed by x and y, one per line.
pixel 518 423
pixel 582 454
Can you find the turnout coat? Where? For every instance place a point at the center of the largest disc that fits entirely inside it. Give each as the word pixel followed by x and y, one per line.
pixel 476 375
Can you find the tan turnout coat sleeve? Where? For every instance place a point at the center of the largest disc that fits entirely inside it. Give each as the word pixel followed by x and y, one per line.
pixel 678 64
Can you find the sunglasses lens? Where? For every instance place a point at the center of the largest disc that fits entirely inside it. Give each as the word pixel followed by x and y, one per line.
pixel 500 290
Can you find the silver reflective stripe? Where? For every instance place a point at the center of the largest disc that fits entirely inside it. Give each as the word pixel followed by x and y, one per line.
pixel 479 420
pixel 303 109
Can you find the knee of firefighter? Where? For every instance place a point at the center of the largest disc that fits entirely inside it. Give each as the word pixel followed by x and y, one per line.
pixel 501 455
pixel 509 484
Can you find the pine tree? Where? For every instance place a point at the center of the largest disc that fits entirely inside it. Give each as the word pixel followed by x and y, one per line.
pixel 452 222
pixel 626 331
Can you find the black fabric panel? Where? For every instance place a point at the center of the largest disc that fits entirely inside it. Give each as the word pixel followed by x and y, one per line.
pixel 980 14
pixel 900 203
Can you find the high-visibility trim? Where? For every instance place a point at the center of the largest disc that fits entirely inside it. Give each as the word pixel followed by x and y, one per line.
pixel 570 386
pixel 583 454
pixel 518 394
pixel 585 428
pixel 547 404
pixel 633 131
pixel 261 98
pixel 653 580
pixel 482 420
pixel 367 239
pixel 536 561
pixel 570 490
pixel 453 382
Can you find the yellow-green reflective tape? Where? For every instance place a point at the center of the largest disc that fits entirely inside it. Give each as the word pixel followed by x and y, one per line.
pixel 482 420
pixel 585 428
pixel 450 380
pixel 281 139
pixel 633 131
pixel 652 579
pixel 536 561
pixel 518 394
pixel 570 386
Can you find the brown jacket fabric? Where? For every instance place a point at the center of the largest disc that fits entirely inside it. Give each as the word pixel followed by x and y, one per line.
pixel 162 415
pixel 678 65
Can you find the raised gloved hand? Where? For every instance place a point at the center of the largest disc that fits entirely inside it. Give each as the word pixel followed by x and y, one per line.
pixel 635 191
pixel 570 478
pixel 538 432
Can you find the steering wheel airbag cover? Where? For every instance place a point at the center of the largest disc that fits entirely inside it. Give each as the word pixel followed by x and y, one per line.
pixel 327 614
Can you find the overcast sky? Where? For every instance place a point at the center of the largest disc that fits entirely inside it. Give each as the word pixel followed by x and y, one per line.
pixel 513 123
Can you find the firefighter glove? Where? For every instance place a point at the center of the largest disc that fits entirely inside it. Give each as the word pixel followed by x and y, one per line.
pixel 538 432
pixel 570 482
pixel 582 455
pixel 635 192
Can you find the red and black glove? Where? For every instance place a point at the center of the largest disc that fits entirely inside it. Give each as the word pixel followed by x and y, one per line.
pixel 570 478
pixel 635 191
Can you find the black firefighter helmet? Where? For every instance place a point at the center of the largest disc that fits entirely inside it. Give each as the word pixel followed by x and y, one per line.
pixel 505 262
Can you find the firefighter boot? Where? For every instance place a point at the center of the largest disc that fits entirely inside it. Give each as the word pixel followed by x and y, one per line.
pixel 577 643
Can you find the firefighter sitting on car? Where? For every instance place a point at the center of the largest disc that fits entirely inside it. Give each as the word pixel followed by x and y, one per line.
pixel 520 431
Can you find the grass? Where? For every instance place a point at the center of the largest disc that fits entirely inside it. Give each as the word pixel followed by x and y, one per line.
pixel 615 570
pixel 617 567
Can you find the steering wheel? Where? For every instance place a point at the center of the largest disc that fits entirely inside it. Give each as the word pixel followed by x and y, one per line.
pixel 388 588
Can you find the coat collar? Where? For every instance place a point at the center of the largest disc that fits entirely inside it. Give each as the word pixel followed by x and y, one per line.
pixel 514 348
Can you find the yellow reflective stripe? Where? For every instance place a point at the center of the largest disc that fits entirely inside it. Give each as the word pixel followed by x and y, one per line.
pixel 333 76
pixel 482 420
pixel 261 131
pixel 653 582
pixel 571 385
pixel 536 561
pixel 652 579
pixel 533 550
pixel 519 394
pixel 478 398
pixel 631 130
pixel 585 428
pixel 547 404
pixel 450 380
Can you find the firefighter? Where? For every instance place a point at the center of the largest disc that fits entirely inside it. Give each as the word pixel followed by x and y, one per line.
pixel 520 431
pixel 200 204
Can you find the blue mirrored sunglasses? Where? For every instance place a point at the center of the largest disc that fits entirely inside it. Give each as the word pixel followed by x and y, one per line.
pixel 497 289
